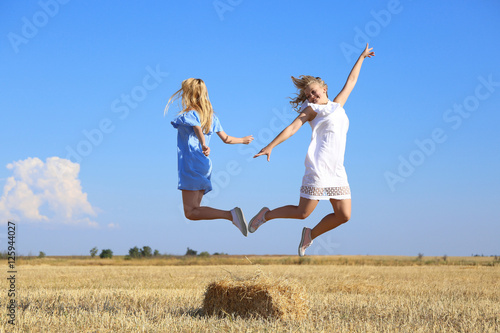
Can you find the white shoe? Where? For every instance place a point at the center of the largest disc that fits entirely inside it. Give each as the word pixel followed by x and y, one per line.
pixel 258 220
pixel 305 241
pixel 239 220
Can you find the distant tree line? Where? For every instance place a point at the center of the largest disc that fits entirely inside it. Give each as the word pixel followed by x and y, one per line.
pixel 107 253
pixel 145 252
pixel 191 252
pixel 135 252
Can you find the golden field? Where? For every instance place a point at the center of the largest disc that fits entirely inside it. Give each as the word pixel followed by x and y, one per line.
pixel 345 294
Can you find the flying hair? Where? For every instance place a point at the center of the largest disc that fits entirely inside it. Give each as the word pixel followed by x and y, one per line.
pixel 194 96
pixel 301 83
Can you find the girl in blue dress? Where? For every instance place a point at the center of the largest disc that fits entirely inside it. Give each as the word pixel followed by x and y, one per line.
pixel 195 125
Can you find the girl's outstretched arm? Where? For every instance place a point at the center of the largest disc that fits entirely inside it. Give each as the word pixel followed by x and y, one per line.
pixel 306 115
pixel 232 140
pixel 353 77
pixel 201 137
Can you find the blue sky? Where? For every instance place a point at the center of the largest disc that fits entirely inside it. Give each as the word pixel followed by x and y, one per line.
pixel 88 159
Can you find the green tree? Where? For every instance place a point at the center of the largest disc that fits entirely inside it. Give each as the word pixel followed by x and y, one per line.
pixel 134 252
pixel 204 254
pixel 93 251
pixel 107 253
pixel 191 252
pixel 156 253
pixel 41 254
pixel 146 251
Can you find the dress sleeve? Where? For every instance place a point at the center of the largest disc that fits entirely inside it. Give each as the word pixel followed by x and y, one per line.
pixel 304 105
pixel 189 118
pixel 216 126
pixel 324 109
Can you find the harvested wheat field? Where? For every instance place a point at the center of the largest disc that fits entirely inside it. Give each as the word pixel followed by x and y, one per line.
pixel 340 298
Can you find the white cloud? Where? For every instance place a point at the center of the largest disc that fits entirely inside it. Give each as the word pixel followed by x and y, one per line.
pixel 45 192
pixel 113 226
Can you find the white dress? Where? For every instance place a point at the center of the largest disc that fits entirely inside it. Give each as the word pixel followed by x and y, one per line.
pixel 325 177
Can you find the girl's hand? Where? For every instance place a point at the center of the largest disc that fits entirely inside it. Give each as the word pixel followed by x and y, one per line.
pixel 247 139
pixel 368 52
pixel 265 151
pixel 206 150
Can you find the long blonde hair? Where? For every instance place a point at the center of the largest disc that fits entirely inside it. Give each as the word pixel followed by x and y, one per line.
pixel 301 83
pixel 194 96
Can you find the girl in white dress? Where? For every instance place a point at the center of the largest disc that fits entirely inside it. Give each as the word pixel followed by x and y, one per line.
pixel 325 177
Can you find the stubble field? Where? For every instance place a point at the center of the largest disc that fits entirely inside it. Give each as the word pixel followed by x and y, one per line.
pixel 142 296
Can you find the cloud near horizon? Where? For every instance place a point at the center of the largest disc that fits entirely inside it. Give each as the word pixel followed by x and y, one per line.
pixel 47 192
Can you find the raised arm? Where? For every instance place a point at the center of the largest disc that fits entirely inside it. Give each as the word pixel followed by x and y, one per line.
pixel 353 77
pixel 232 140
pixel 306 115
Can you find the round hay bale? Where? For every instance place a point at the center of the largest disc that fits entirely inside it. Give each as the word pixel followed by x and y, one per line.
pixel 258 296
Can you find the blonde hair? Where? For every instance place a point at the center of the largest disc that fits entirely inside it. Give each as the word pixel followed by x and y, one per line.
pixel 301 83
pixel 194 96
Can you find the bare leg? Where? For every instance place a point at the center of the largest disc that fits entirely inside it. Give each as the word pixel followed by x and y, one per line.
pixel 193 210
pixel 303 210
pixel 342 214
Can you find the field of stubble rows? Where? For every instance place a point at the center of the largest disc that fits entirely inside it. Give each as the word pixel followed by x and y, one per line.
pixel 61 296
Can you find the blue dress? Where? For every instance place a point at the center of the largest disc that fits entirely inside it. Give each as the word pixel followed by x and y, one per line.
pixel 194 168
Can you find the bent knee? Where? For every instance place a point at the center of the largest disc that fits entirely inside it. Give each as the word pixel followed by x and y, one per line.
pixel 190 214
pixel 344 217
pixel 303 215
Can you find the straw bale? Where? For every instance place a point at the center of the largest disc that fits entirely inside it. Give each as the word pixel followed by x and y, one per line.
pixel 260 295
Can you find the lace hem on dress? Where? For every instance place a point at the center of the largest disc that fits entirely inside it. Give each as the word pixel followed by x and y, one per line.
pixel 340 192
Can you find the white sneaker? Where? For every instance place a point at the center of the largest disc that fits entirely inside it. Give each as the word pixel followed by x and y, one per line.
pixel 258 220
pixel 305 241
pixel 239 220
